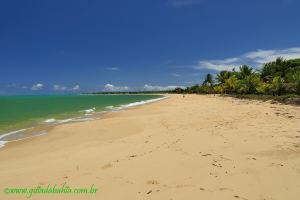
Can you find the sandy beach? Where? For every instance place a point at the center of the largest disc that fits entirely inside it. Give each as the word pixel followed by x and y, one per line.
pixel 197 147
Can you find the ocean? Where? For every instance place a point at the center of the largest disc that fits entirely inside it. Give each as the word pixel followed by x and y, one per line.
pixel 26 116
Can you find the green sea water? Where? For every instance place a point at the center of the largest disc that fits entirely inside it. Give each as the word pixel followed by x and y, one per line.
pixel 18 112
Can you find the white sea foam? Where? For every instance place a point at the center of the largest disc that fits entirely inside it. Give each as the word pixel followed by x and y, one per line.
pixel 62 121
pixel 11 133
pixel 34 135
pixel 65 121
pixel 141 102
pixel 109 107
pixel 3 140
pixel 89 110
pixel 52 120
pixel 2 143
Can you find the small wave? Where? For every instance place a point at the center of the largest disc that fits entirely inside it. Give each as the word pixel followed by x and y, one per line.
pixel 109 107
pixel 5 138
pixel 141 102
pixel 65 120
pixel 52 120
pixel 35 134
pixel 89 110
pixel 11 133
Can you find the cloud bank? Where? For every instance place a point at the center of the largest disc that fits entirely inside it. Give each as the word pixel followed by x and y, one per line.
pixel 76 87
pixel 253 58
pixel 59 88
pixel 37 86
pixel 113 88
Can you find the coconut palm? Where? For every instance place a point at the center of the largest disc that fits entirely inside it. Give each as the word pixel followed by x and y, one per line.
pixel 208 80
pixel 277 68
pixel 223 76
pixel 245 71
pixel 249 84
pixel 219 89
pixel 231 85
pixel 277 85
pixel 295 80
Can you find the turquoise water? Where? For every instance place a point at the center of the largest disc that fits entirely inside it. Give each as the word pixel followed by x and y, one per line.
pixel 18 112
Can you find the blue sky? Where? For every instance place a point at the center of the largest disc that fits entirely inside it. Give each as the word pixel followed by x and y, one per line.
pixel 63 46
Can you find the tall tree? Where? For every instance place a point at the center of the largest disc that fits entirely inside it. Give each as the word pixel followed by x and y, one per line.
pixel 277 85
pixel 245 71
pixel 209 81
pixel 295 79
pixel 223 76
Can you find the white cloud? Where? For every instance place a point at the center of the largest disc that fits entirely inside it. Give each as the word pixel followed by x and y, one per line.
pixel 112 88
pixel 37 86
pixel 59 88
pixel 253 58
pixel 160 88
pixel 113 68
pixel 218 65
pixel 263 56
pixel 76 87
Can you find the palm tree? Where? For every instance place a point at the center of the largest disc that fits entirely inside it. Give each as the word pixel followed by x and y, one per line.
pixel 277 85
pixel 295 78
pixel 207 84
pixel 231 85
pixel 267 71
pixel 245 71
pixel 249 84
pixel 223 76
pixel 208 80
pixel 276 68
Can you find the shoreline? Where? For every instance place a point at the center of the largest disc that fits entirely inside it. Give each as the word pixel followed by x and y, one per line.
pixel 43 129
pixel 207 147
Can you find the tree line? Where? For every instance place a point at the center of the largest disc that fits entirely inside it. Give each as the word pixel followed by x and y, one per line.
pixel 273 78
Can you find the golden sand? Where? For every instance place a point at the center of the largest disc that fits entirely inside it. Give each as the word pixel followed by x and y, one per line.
pixel 197 147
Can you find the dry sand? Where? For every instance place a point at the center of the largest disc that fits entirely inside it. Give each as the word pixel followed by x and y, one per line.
pixel 198 147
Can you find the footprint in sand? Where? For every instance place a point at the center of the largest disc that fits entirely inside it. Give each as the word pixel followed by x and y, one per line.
pixel 224 189
pixel 106 166
pixel 149 191
pixel 215 164
pixel 277 164
pixel 152 182
pixel 239 197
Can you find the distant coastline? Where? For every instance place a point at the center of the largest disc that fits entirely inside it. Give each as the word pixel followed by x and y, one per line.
pixel 132 92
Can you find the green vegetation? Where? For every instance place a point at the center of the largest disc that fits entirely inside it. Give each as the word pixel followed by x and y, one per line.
pixel 274 79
